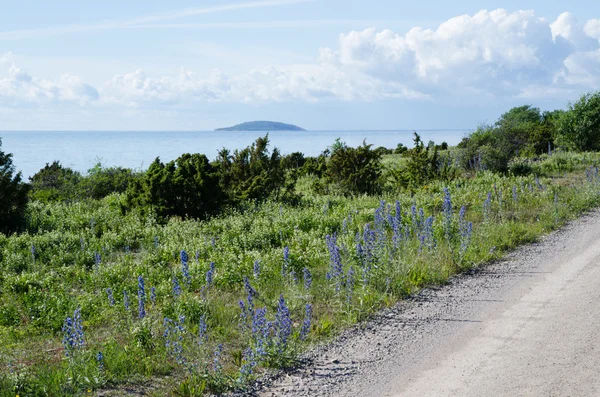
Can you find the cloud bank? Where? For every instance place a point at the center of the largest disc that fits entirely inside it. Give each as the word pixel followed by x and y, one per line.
pixel 469 58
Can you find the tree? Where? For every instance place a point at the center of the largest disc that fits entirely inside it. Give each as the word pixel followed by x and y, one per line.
pixel 579 126
pixel 13 195
pixel 251 173
pixel 354 170
pixel 55 183
pixel 102 181
pixel 187 187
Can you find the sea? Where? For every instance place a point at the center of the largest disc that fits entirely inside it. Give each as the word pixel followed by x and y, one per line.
pixel 81 150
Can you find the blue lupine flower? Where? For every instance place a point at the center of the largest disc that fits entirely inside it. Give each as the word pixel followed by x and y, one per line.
pixel 349 285
pixel 514 194
pixel 176 287
pixel 32 249
pixel 335 259
pixel 111 299
pixel 174 332
pixel 293 276
pixel 286 261
pixel 97 259
pixel 487 206
pixel 249 364
pixel 398 212
pixel 243 314
pixel 127 249
pixel 284 324
pixel 202 330
pixel 126 300
pixel 210 274
pixel 153 295
pixel 72 329
pixel 185 268
pixel 256 269
pixel 141 298
pixel 307 279
pixel 155 241
pixel 259 322
pixel 250 291
pixel 100 360
pixel 447 214
pixel 426 236
pixel 217 358
pixel 307 320
pixel 414 219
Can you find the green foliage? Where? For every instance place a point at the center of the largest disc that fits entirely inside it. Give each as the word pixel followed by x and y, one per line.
pixel 13 195
pixel 522 131
pixel 400 149
pixel 579 126
pixel 102 181
pixel 187 187
pixel 251 173
pixel 354 170
pixel 424 164
pixel 55 183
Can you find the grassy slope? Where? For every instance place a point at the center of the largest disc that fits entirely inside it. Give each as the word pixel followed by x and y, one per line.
pixel 39 290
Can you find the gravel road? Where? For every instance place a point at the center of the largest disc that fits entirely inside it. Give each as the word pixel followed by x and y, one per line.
pixel 525 326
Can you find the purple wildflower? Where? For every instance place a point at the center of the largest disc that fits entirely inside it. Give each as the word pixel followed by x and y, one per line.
pixel 185 268
pixel 307 279
pixel 141 297
pixel 306 323
pixel 176 287
pixel 210 274
pixel 256 269
pixel 111 299
pixel 284 324
pixel 126 300
pixel 72 329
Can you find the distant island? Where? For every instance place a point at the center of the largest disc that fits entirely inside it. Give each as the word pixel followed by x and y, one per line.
pixel 262 126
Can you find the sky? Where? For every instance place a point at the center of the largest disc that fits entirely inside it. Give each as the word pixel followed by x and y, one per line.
pixel 320 64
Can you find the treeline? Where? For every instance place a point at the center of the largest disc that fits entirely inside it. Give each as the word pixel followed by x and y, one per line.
pixel 192 186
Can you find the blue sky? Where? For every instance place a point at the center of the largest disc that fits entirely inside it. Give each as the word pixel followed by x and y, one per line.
pixel 322 64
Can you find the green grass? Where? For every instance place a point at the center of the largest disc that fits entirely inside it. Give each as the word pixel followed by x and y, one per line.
pixel 37 292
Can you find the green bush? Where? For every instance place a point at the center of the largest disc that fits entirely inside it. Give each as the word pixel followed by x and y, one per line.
pixel 55 183
pixel 251 173
pixel 579 126
pixel 13 195
pixel 354 170
pixel 187 187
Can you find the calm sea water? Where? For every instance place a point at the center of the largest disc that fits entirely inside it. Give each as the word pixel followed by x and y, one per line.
pixel 137 149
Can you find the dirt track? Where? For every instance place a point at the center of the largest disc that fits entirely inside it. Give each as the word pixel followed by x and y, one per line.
pixel 526 326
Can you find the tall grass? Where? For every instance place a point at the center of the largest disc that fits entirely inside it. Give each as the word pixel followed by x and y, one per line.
pixel 225 299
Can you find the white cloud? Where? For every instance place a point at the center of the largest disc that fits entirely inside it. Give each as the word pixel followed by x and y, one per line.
pixel 469 58
pixel 592 28
pixel 17 88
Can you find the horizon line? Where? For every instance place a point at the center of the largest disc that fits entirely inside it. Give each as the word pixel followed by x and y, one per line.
pixel 305 130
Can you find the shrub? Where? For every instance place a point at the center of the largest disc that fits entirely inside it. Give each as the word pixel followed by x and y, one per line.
pixel 187 187
pixel 579 127
pixel 55 183
pixel 354 170
pixel 102 181
pixel 251 173
pixel 13 195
